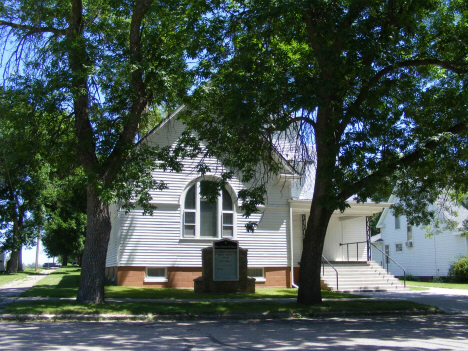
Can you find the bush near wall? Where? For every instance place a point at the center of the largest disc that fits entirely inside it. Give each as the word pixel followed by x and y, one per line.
pixel 459 270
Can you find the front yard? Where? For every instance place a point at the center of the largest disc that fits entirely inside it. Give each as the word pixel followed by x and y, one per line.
pixel 63 283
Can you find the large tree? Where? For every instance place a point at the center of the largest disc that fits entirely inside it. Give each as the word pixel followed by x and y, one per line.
pixel 24 174
pixel 375 92
pixel 107 65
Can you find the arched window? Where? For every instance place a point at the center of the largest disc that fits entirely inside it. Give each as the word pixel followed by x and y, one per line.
pixel 204 219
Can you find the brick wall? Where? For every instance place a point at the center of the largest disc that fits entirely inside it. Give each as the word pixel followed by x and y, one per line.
pixel 182 277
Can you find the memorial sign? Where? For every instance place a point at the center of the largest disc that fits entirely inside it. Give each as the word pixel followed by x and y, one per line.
pixel 225 260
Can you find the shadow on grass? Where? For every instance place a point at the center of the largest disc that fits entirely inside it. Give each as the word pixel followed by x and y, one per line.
pixel 172 293
pixel 217 308
pixel 61 283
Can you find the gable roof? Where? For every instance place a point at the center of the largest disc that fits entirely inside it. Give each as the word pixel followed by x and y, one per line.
pixel 290 169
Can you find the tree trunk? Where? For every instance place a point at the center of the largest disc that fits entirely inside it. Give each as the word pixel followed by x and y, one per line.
pixel 309 273
pixel 91 288
pixel 12 264
pixel 20 259
pixel 64 260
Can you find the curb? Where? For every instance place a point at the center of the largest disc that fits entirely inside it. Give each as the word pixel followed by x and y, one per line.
pixel 202 317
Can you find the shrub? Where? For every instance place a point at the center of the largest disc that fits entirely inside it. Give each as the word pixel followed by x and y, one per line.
pixel 412 278
pixel 459 270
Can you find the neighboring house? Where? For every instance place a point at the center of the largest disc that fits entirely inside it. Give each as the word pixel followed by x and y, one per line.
pixel 164 250
pixel 411 248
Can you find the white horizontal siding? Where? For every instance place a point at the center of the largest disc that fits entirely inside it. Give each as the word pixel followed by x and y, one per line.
pixel 113 245
pixel 428 256
pixel 156 240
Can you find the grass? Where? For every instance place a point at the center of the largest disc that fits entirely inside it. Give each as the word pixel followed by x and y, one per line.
pixel 170 293
pixel 6 278
pixel 61 283
pixel 216 308
pixel 437 285
pixel 64 283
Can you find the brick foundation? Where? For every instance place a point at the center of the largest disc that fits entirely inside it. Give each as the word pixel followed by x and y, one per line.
pixel 182 277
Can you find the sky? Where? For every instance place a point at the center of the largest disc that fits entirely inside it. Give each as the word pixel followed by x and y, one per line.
pixel 29 256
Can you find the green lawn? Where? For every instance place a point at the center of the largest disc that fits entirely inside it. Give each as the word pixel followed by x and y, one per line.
pixel 8 278
pixel 64 283
pixel 437 285
pixel 217 308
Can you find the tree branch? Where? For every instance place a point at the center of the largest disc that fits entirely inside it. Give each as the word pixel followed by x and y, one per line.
pixel 139 100
pixel 451 66
pixel 78 58
pixel 302 119
pixel 34 30
pixel 404 161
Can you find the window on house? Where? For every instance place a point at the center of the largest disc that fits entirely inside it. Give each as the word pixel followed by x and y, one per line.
pixel 397 222
pixel 156 274
pixel 205 219
pixel 257 273
pixel 398 247
pixel 409 233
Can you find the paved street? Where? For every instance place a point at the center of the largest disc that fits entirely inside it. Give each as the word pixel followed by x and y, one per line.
pixel 434 332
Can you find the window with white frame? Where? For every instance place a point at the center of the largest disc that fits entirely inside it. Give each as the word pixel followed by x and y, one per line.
pixel 205 219
pixel 409 233
pixel 156 274
pixel 398 247
pixel 397 222
pixel 257 273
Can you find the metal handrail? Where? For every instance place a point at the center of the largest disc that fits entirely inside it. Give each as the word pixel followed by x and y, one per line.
pixel 323 269
pixel 404 272
pixel 357 248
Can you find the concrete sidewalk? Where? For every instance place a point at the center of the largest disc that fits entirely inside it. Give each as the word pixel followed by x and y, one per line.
pixel 10 291
pixel 449 300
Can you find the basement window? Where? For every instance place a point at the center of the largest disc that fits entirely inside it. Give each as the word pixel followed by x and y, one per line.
pixel 257 273
pixel 156 275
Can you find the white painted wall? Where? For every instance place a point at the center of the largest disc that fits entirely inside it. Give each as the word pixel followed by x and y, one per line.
pixel 428 256
pixel 156 240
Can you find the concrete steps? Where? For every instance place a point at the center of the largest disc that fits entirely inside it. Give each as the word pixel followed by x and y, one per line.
pixel 360 277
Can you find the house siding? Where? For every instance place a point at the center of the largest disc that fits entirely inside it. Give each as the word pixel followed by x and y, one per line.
pixel 139 240
pixel 429 256
pixel 113 247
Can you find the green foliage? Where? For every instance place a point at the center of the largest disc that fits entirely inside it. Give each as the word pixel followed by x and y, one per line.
pixel 394 96
pixel 412 278
pixel 459 270
pixel 372 94
pixel 437 279
pixel 374 219
pixel 109 67
pixel 65 228
pixel 26 154
pixel 129 86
